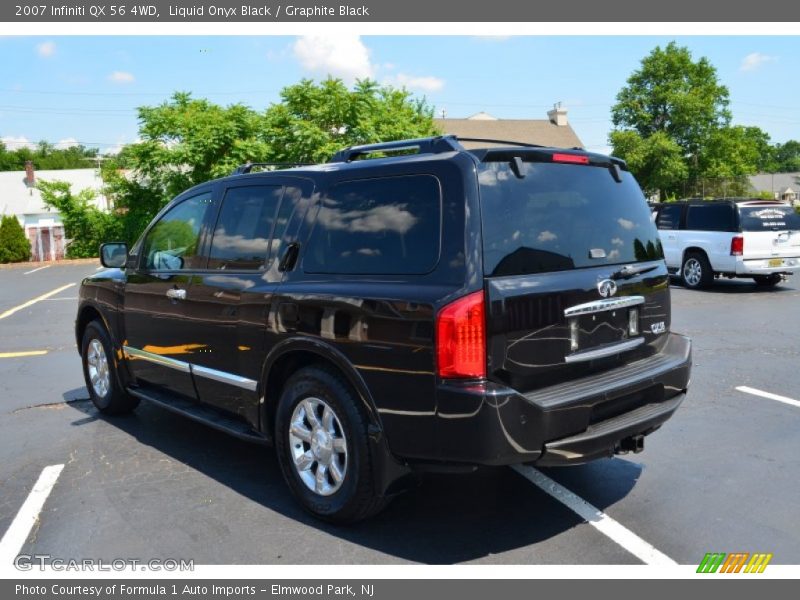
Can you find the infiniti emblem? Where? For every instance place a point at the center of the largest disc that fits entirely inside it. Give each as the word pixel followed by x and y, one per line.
pixel 606 287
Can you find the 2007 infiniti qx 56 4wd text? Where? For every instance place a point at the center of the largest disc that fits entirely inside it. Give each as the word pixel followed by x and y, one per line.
pixel 407 306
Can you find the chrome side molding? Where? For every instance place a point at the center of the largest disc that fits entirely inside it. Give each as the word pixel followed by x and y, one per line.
pixel 603 305
pixel 185 367
pixel 223 377
pixel 164 361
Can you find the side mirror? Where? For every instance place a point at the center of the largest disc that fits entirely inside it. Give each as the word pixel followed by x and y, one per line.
pixel 114 255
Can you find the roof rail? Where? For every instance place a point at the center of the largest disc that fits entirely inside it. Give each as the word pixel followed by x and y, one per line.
pixel 508 142
pixel 429 145
pixel 247 167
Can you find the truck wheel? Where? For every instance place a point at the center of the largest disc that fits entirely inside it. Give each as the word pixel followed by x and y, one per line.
pixel 767 280
pixel 100 372
pixel 323 448
pixel 696 272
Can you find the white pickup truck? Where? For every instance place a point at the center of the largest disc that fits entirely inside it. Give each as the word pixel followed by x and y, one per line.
pixel 704 239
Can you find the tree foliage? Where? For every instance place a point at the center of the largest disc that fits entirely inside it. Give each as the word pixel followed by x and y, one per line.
pixel 46 157
pixel 14 245
pixel 672 125
pixel 84 224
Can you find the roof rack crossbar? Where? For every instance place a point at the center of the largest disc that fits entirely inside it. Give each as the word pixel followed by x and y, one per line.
pixel 247 167
pixel 429 145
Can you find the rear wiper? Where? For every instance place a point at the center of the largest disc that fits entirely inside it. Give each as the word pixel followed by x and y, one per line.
pixel 629 271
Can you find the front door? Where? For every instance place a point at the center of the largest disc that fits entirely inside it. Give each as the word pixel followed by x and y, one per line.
pixel 160 339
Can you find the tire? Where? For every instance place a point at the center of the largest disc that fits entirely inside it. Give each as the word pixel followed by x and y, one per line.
pixel 767 280
pixel 336 443
pixel 100 372
pixel 696 271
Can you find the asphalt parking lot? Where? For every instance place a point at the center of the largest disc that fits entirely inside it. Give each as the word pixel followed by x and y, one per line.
pixel 720 476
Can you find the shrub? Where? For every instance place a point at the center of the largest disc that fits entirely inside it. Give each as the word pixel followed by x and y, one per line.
pixel 14 245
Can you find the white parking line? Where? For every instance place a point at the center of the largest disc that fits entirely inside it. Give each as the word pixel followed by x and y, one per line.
pixel 755 392
pixel 21 526
pixel 38 269
pixel 596 517
pixel 11 311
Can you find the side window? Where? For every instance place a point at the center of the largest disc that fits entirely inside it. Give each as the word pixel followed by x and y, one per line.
pixel 382 226
pixel 669 217
pixel 245 228
pixel 711 217
pixel 172 243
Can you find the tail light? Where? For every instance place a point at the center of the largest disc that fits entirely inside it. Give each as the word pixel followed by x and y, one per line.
pixel 461 338
pixel 737 245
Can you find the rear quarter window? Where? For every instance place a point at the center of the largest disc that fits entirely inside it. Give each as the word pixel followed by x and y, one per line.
pixel 711 217
pixel 380 226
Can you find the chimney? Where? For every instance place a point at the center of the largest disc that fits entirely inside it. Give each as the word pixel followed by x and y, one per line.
pixel 30 177
pixel 558 115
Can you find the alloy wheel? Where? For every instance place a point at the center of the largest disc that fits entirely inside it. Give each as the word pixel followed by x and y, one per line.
pixel 318 446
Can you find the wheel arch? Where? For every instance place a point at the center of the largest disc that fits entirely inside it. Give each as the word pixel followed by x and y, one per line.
pixel 293 354
pixel 391 475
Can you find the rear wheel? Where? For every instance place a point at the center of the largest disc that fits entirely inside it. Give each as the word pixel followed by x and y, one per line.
pixel 696 271
pixel 767 280
pixel 323 447
pixel 100 372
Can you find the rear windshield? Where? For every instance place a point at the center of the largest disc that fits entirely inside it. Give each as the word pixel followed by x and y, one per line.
pixel 560 217
pixel 768 218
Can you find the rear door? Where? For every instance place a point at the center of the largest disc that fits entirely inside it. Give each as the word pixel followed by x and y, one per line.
pixel 770 232
pixel 230 300
pixel 574 271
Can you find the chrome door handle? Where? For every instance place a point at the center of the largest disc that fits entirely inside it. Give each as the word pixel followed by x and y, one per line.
pixel 176 294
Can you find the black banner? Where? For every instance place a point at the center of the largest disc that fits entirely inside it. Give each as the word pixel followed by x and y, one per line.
pixel 463 11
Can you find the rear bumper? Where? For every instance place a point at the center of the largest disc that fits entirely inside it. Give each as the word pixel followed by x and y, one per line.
pixel 570 423
pixel 761 266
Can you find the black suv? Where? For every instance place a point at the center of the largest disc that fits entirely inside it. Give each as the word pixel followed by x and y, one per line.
pixel 407 306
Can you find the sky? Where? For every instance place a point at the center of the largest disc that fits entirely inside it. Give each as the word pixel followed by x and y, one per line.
pixel 85 89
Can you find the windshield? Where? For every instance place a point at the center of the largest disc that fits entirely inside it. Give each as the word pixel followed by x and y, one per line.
pixel 560 217
pixel 768 218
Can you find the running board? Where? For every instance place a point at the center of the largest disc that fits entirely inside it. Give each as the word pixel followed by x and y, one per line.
pixel 201 413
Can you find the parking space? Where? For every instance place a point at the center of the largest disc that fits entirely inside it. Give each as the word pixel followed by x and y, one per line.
pixel 719 476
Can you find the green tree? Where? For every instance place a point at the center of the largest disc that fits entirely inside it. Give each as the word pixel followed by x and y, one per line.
pixel 84 224
pixel 14 245
pixel 786 157
pixel 314 120
pixel 675 95
pixel 672 125
pixel 657 161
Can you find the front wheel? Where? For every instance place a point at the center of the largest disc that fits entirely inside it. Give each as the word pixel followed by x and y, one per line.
pixel 323 447
pixel 767 280
pixel 696 271
pixel 100 372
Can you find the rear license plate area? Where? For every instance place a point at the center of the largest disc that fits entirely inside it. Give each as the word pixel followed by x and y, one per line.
pixel 775 262
pixel 601 328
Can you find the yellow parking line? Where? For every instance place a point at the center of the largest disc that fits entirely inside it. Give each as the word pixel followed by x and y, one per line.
pixel 11 311
pixel 23 353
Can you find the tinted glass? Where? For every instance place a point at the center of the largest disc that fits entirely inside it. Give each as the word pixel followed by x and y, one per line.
pixel 768 218
pixel 172 243
pixel 560 217
pixel 377 226
pixel 711 217
pixel 245 228
pixel 669 217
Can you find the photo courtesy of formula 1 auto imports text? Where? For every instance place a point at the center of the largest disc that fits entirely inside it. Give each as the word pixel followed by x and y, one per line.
pixel 383 300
